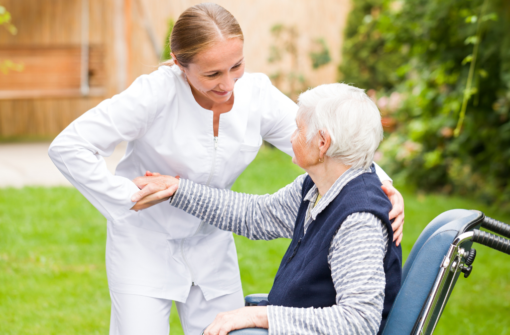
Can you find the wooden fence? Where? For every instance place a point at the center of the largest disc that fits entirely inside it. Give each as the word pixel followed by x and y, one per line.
pixel 46 95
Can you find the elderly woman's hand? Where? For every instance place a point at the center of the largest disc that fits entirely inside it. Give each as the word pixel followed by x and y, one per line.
pixel 245 317
pixel 397 212
pixel 155 188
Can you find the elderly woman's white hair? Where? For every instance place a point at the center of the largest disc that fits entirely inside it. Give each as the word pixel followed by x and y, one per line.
pixel 350 117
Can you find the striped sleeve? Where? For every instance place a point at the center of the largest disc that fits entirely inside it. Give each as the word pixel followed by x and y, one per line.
pixel 257 217
pixel 356 257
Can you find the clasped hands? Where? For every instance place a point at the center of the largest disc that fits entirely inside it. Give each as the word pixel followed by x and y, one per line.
pixel 154 189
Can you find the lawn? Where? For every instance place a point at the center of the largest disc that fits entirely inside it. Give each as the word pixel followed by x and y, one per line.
pixel 52 272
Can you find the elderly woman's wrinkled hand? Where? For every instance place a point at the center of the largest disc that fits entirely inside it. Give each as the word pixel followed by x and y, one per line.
pixel 397 212
pixel 245 317
pixel 154 189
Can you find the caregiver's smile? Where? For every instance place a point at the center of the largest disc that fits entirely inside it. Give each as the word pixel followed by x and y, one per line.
pixel 221 93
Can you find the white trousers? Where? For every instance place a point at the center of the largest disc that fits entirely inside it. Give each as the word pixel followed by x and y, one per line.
pixel 140 315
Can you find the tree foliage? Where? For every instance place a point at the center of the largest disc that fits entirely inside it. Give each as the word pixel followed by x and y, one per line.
pixel 427 50
pixel 5 21
pixel 166 44
pixel 322 56
pixel 285 50
pixel 285 53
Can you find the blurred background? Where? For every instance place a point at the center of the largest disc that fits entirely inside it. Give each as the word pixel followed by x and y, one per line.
pixel 439 71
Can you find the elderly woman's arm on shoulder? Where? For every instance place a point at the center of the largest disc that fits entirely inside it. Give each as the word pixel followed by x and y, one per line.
pixel 257 217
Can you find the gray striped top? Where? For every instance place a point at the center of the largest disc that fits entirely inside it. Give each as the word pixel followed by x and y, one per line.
pixel 356 253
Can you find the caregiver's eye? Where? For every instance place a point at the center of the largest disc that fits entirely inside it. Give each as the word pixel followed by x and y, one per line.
pixel 212 75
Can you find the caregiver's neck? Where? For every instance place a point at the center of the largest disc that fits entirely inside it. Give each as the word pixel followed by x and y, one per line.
pixel 325 174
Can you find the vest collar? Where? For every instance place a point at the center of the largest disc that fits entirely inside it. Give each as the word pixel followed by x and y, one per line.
pixel 330 195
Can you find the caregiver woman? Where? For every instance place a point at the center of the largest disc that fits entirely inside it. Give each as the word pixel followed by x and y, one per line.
pixel 203 119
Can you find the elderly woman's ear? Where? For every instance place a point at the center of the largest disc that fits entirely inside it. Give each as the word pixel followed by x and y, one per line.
pixel 324 143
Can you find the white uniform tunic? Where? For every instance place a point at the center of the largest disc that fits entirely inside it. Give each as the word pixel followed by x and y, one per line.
pixel 162 251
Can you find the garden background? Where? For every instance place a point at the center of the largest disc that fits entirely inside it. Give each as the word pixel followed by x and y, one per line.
pixel 440 74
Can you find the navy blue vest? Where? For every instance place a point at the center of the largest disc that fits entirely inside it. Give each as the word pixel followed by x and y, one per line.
pixel 304 277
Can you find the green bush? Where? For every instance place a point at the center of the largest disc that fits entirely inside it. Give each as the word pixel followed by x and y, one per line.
pixel 424 50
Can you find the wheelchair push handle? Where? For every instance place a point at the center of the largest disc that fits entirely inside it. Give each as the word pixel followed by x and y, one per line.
pixel 496 226
pixel 491 241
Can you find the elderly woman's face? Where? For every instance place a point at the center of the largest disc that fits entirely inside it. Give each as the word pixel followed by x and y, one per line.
pixel 215 70
pixel 305 154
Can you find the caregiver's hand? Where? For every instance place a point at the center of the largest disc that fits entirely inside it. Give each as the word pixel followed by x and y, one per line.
pixel 245 317
pixel 397 212
pixel 155 188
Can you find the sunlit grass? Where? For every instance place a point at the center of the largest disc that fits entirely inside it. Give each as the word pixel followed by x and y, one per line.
pixel 53 279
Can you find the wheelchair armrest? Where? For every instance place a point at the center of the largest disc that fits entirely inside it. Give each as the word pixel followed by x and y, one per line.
pixel 254 299
pixel 249 331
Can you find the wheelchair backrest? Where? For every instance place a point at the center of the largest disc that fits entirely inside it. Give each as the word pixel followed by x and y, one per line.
pixel 422 267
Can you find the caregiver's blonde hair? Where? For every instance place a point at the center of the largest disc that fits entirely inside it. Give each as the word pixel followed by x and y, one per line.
pixel 350 117
pixel 199 27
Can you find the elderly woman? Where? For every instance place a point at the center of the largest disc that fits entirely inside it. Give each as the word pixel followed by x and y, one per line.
pixel 341 273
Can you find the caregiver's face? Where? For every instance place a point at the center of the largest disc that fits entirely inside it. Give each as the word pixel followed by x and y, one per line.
pixel 215 70
pixel 305 154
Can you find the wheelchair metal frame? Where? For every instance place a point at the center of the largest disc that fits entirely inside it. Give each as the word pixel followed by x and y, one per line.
pixel 458 259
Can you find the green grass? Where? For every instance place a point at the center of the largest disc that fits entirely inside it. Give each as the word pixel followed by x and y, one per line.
pixel 53 280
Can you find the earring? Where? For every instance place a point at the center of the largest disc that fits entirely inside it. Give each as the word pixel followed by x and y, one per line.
pixel 321 160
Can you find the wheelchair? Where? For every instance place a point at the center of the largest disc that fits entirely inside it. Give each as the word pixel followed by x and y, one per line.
pixel 443 251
